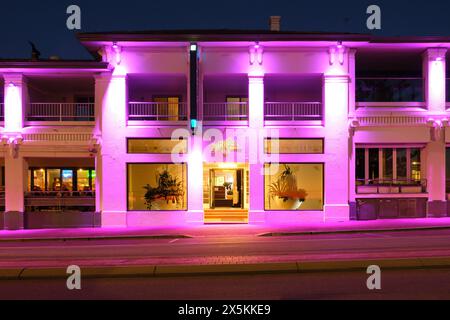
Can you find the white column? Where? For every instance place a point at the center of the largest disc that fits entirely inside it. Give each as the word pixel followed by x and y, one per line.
pixel 111 92
pixel 336 88
pixel 434 74
pixel 15 164
pixel 195 180
pixel 256 122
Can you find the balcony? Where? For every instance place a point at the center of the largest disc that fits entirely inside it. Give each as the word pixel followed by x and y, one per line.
pixel 389 92
pixel 225 111
pixel 157 111
pixel 391 186
pixel 60 112
pixel 293 111
pixel 161 98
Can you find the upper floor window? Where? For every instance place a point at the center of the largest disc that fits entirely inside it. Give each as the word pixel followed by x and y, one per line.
pixel 389 77
pixel 157 145
pixel 293 145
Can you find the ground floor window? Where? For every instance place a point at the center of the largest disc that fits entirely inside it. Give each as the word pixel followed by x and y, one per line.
pixel 61 179
pixel 387 167
pixel 294 186
pixel 157 186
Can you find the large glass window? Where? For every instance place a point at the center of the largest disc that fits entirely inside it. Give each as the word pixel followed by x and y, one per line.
pixel 293 146
pixel 388 166
pixel 293 186
pixel 165 146
pixel 57 179
pixel 157 186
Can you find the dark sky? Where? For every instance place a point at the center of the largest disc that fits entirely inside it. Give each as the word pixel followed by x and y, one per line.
pixel 44 22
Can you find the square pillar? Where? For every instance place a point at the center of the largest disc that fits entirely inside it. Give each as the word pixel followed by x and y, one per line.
pixel 336 97
pixel 256 123
pixel 195 179
pixel 434 73
pixel 15 186
pixel 111 92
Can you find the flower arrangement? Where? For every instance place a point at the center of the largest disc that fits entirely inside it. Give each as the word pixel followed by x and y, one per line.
pixel 285 188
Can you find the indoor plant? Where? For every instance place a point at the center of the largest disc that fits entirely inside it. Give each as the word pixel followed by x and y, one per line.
pixel 166 195
pixel 284 191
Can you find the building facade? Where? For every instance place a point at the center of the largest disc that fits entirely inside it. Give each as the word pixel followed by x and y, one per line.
pixel 177 128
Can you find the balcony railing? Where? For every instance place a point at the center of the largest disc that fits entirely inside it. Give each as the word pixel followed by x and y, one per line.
pixel 157 111
pixel 61 112
pixel 225 111
pixel 59 200
pixel 292 111
pixel 389 91
pixel 2 112
pixel 390 186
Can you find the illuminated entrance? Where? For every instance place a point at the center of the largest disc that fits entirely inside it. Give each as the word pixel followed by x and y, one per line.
pixel 225 192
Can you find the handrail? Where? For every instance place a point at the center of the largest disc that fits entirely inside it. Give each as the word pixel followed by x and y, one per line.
pixel 225 111
pixel 302 110
pixel 159 111
pixel 56 111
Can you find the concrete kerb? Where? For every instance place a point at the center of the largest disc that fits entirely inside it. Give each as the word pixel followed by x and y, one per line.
pixel 224 269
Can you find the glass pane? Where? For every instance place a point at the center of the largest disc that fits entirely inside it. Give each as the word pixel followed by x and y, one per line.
pixel 293 146
pixel 67 180
pixel 415 164
pixel 39 180
pixel 293 186
pixel 93 178
pixel 83 180
pixel 166 146
pixel 360 164
pixel 401 164
pixel 447 169
pixel 387 164
pixel 157 186
pixel 373 164
pixel 53 179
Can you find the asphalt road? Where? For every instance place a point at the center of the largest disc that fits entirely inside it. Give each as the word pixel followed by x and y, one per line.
pixel 395 284
pixel 223 249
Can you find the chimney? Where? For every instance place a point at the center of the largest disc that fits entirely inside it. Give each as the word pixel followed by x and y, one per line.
pixel 274 23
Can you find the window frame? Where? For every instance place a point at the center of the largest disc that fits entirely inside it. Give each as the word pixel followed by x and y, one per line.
pixel 160 163
pixel 293 138
pixel 293 162
pixel 157 138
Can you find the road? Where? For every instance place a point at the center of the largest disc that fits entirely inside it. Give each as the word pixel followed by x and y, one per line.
pixel 395 284
pixel 223 249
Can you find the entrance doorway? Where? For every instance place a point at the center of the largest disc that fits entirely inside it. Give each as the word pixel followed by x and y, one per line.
pixel 226 193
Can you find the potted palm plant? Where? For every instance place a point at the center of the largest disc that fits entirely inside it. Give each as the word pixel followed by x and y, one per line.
pixel 168 193
pixel 284 191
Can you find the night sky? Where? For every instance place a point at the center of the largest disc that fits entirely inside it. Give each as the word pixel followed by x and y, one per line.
pixel 44 22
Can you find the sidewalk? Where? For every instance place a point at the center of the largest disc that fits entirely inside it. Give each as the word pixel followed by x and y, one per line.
pixel 223 230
